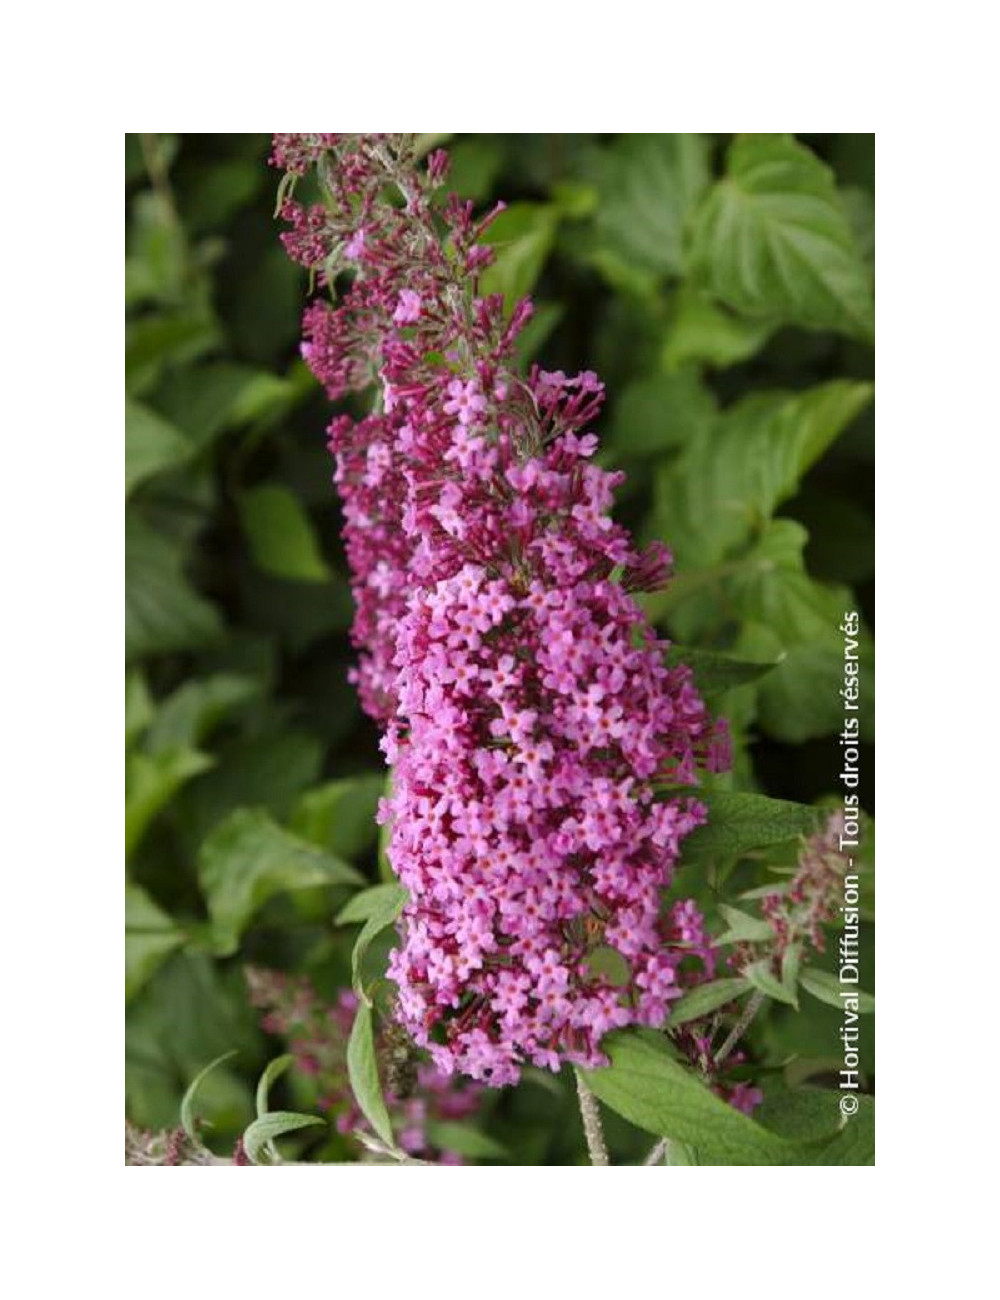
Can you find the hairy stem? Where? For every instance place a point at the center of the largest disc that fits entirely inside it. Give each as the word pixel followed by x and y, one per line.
pixel 754 1004
pixel 741 1026
pixel 591 1122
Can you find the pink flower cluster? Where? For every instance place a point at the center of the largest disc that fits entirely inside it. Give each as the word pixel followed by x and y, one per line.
pixel 316 1035
pixel 797 911
pixel 528 712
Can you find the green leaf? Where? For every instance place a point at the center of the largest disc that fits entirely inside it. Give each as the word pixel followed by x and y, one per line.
pixel 362 1070
pixel 274 1070
pixel 340 815
pixel 263 771
pixel 163 613
pixel 151 444
pixel 714 674
pixel 743 928
pixel 188 1122
pixel 173 338
pixel 375 901
pixel 645 1085
pixel 262 1132
pixel 812 1118
pixel 188 716
pixel 772 240
pixel 150 936
pixel 828 988
pixel 787 612
pixel 660 412
pixel 385 910
pixel 649 185
pixel 736 473
pixel 151 781
pixel 681 1153
pixel 704 999
pixel 523 236
pixel 247 860
pixel 157 254
pixel 759 975
pixel 703 333
pixel 191 1010
pixel 208 399
pixel 216 190
pixel 855 1143
pixel 475 165
pixel 859 205
pixel 804 1113
pixel 280 534
pixel 739 823
pixel 534 336
pixel 449 1135
pixel 138 707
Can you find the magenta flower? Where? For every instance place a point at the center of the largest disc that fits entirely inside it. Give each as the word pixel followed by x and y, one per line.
pixel 528 711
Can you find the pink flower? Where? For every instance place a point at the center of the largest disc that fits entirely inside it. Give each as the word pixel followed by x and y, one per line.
pixel 527 707
pixel 408 310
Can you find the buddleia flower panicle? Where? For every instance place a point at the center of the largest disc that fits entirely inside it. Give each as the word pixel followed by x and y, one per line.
pixel 528 712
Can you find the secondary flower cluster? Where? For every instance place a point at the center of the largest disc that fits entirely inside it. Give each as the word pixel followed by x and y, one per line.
pixel 527 708
pixel 315 1032
pixel 798 911
pixel 173 1147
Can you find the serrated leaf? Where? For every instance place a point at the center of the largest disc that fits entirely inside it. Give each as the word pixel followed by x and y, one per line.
pixel 828 988
pixel 188 1121
pixel 370 902
pixel 739 823
pixel 247 860
pixel 740 468
pixel 706 998
pixel 152 444
pixel 362 1070
pixel 163 612
pixel 385 911
pixel 772 240
pixel 646 1086
pixel 151 935
pixel 280 534
pixel 648 186
pixel 151 781
pixel 703 333
pixel 262 1132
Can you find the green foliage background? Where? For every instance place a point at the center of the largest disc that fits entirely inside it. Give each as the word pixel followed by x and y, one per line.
pixel 721 286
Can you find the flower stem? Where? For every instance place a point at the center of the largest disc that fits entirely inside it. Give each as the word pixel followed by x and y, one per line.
pixel 591 1122
pixel 658 1153
pixel 741 1026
